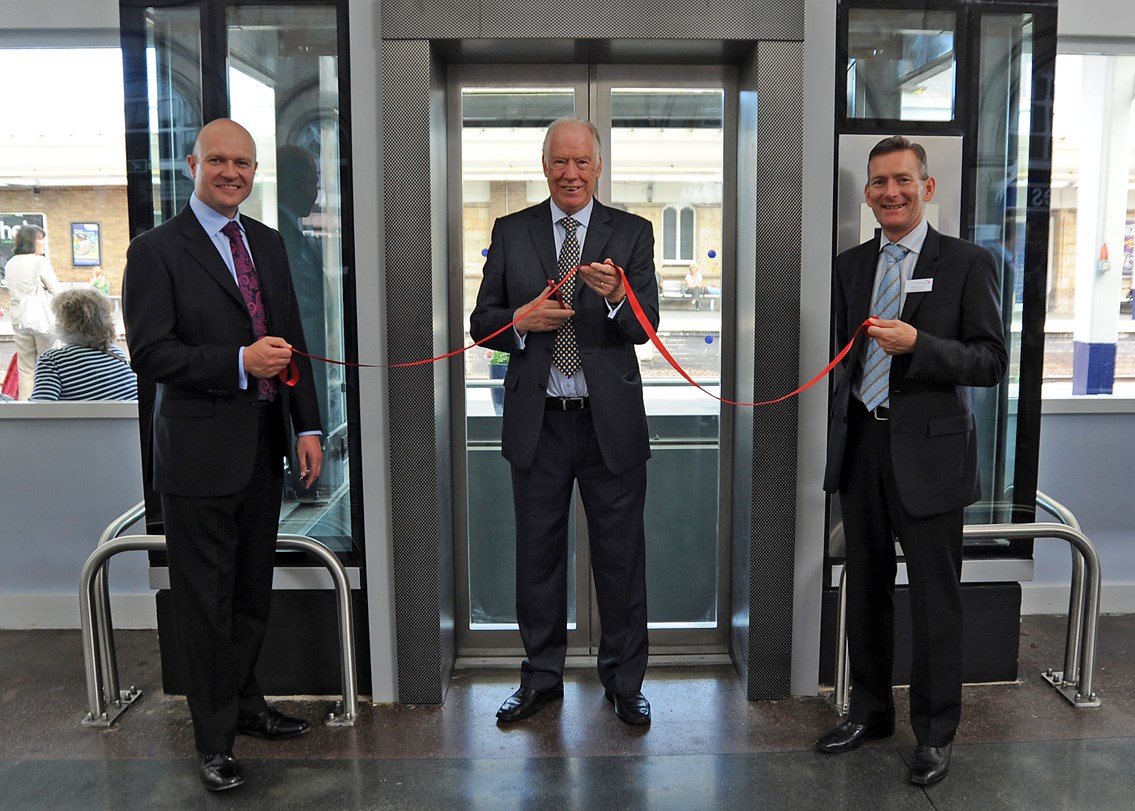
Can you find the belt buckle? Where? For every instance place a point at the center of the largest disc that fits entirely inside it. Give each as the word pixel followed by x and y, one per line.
pixel 881 413
pixel 573 403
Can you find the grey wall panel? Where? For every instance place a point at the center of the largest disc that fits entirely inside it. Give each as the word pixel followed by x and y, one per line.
pixel 428 19
pixel 583 19
pixel 776 308
pixel 418 486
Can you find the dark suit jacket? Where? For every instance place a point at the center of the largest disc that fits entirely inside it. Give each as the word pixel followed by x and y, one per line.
pixel 185 322
pixel 961 342
pixel 522 257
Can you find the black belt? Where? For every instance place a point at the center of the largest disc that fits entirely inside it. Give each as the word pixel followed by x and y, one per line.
pixel 565 403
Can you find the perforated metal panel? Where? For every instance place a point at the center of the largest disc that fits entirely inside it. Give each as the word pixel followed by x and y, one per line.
pixel 776 367
pixel 586 19
pixel 414 488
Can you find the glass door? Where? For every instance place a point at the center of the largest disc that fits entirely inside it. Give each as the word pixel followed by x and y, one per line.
pixel 664 159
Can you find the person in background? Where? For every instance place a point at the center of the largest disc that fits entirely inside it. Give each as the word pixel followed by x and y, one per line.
pixel 99 281
pixel 29 275
pixel 694 285
pixel 88 366
pixel 902 449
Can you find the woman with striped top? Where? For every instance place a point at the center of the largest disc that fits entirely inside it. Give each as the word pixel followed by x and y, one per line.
pixel 88 366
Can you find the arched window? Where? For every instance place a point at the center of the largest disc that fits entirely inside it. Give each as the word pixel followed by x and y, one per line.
pixel 678 234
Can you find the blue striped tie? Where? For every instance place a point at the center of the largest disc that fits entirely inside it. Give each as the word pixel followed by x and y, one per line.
pixel 875 383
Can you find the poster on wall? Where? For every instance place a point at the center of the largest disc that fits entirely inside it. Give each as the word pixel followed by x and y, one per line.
pixel 86 250
pixel 10 224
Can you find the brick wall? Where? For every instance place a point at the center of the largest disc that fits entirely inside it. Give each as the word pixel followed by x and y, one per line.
pixel 63 205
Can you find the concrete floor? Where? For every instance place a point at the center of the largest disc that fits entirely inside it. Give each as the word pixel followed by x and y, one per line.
pixel 1020 746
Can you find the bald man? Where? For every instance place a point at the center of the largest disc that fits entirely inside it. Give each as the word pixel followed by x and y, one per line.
pixel 211 319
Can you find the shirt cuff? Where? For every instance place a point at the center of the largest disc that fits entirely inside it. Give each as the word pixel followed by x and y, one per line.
pixel 241 374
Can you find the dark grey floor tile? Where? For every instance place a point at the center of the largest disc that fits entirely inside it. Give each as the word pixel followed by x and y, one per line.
pixel 1053 775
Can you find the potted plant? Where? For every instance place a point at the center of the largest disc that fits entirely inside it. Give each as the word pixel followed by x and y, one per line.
pixel 498 365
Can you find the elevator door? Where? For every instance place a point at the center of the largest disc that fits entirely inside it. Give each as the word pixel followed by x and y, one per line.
pixel 664 157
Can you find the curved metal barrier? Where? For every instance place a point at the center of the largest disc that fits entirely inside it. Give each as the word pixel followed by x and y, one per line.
pixel 1075 682
pixel 105 700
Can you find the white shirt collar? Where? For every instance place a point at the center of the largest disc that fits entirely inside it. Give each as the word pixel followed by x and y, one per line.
pixel 583 216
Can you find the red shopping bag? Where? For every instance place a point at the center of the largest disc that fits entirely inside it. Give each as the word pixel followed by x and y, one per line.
pixel 11 385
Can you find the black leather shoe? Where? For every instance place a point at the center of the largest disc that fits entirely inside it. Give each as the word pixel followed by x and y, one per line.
pixel 850 735
pixel 632 708
pixel 220 771
pixel 271 725
pixel 931 764
pixel 527 701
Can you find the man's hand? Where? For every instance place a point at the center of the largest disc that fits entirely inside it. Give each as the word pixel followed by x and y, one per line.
pixel 548 316
pixel 893 336
pixel 605 280
pixel 309 458
pixel 267 357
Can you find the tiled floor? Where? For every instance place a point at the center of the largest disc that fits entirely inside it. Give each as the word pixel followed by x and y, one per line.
pixel 1021 746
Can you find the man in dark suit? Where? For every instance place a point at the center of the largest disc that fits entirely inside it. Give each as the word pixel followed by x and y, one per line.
pixel 573 412
pixel 902 448
pixel 211 318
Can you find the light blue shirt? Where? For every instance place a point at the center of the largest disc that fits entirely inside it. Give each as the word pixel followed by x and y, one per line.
pixel 559 385
pixel 913 243
pixel 213 221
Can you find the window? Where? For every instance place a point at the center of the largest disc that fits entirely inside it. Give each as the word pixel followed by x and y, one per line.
pixel 1090 332
pixel 63 165
pixel 678 234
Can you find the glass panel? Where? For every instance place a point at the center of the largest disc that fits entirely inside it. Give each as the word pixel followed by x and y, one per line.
pixel 1093 208
pixel 667 152
pixel 901 64
pixel 173 68
pixel 669 234
pixel 1004 123
pixel 687 234
pixel 284 88
pixel 502 135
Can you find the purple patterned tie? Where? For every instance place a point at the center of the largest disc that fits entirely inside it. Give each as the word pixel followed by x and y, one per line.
pixel 249 283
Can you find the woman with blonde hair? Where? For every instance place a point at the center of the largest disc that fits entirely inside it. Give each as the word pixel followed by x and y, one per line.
pixel 89 366
pixel 30 277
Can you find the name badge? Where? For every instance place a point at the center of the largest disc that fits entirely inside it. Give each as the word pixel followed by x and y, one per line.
pixel 920 285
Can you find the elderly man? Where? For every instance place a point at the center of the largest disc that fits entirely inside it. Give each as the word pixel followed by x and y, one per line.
pixel 573 413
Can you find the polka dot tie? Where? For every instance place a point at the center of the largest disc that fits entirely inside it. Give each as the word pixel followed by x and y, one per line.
pixel 875 383
pixel 249 283
pixel 565 351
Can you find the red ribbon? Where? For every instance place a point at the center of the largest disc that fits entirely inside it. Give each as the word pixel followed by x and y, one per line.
pixel 290 375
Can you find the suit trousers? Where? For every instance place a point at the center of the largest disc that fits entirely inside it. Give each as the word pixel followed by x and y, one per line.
pixel 221 554
pixel 873 516
pixel 568 452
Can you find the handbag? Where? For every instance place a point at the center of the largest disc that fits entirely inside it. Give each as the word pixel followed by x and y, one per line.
pixel 35 313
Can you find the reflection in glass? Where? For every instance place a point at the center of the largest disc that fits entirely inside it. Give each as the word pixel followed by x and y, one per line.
pixel 1004 122
pixel 901 64
pixel 284 88
pixel 173 67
